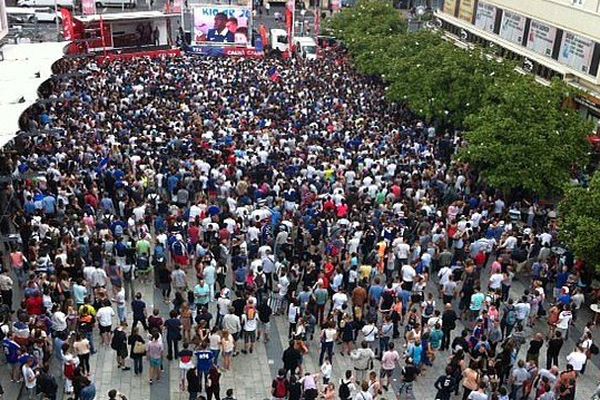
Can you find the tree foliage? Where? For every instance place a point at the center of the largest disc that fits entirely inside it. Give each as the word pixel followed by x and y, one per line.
pixel 579 212
pixel 524 138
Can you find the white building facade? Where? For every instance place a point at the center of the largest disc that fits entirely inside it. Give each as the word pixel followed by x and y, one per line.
pixel 550 38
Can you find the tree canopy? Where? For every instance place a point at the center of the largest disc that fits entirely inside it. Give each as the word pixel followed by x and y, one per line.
pixel 524 138
pixel 579 223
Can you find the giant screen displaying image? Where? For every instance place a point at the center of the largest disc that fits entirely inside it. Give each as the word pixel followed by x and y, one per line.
pixel 221 24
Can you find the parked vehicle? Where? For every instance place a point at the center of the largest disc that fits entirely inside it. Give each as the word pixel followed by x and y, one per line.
pixel 116 3
pixel 46 3
pixel 32 14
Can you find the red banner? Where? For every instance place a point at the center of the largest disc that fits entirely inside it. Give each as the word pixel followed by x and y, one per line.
pixel 67 21
pixel 88 7
pixel 289 20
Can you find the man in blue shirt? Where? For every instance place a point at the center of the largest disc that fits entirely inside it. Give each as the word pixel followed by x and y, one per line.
pixel 138 307
pixel 49 203
pixel 11 350
pixel 220 33
pixel 205 361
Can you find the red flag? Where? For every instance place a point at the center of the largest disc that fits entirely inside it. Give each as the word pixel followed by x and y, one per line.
pixel 289 19
pixel 67 20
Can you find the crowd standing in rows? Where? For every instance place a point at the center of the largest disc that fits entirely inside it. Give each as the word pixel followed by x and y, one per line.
pixel 245 195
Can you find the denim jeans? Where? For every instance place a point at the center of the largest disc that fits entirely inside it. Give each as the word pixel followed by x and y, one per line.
pixel 90 337
pixel 216 356
pixel 138 365
pixel 122 313
pixel 383 344
pixel 326 347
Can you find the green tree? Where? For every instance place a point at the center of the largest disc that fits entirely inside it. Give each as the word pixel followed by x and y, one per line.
pixel 445 83
pixel 369 20
pixel 387 53
pixel 524 138
pixel 579 212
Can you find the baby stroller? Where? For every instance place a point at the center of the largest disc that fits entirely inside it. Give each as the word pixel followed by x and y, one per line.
pixel 143 268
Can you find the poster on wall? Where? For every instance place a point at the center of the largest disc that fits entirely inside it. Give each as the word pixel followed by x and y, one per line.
pixel 541 38
pixel 450 7
pixel 466 9
pixel 485 19
pixel 576 52
pixel 221 24
pixel 512 27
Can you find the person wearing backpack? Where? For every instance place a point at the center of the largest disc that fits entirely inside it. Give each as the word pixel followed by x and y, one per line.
pixel 128 269
pixel 346 385
pixel 427 309
pixel 250 325
pixel 280 386
pixel 509 318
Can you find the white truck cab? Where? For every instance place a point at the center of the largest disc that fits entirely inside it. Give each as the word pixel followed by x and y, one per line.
pixel 306 47
pixel 279 40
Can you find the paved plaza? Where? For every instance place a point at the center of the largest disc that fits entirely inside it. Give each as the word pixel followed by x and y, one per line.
pixel 252 374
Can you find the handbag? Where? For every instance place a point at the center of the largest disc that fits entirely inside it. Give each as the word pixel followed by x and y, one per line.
pixel 139 348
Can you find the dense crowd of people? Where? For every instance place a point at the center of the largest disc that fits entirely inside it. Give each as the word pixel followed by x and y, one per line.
pixel 249 190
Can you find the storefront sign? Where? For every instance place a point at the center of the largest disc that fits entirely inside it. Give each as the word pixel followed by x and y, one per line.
pixel 485 19
pixel 512 27
pixel 541 38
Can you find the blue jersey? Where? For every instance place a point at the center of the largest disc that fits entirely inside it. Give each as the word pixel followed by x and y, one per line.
pixel 11 350
pixel 205 360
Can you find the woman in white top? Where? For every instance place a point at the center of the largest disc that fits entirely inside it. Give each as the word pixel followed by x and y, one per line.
pixel 328 336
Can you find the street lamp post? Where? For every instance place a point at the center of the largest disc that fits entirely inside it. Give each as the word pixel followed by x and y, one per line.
pixel 56 20
pixel 303 13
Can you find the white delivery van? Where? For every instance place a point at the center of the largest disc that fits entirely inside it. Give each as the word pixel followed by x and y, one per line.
pixel 279 40
pixel 306 47
pixel 45 3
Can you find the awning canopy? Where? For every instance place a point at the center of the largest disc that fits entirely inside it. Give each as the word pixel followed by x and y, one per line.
pixel 25 67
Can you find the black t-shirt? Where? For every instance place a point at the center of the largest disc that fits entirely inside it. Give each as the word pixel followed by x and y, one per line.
pixel 444 384
pixel 387 300
pixel 554 345
pixel 138 307
pixel 238 305
pixel 460 341
pixel 295 391
pixel 193 381
pixel 535 346
pixel 409 373
pixel 264 312
pixel 449 318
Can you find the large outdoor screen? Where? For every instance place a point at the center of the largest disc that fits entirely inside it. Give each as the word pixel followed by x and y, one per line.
pixel 221 24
